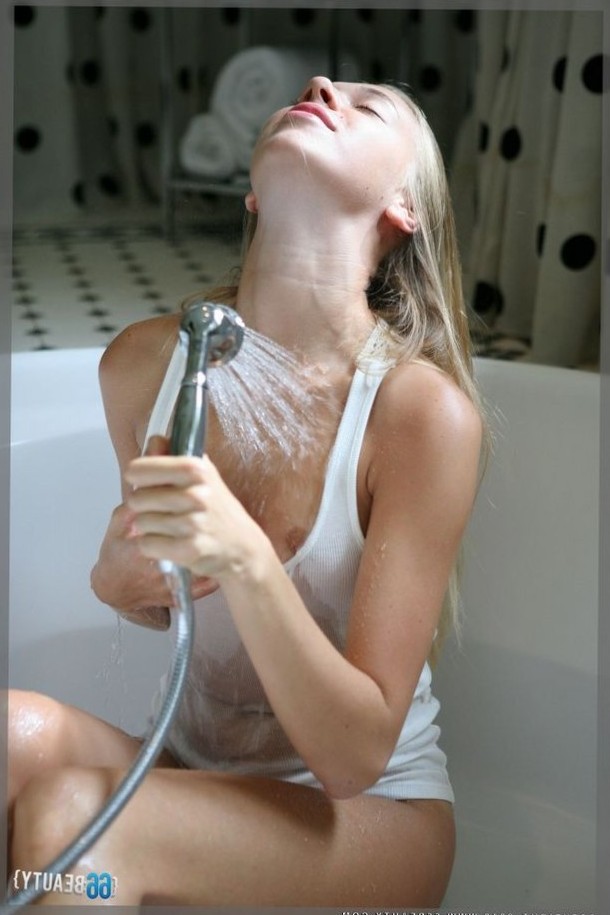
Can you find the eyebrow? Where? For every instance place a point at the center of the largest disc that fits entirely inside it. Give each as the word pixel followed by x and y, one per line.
pixel 379 93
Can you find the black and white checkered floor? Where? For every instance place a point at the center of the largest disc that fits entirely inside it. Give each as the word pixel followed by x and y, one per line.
pixel 79 286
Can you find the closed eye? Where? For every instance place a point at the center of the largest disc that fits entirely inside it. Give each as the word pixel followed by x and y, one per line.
pixel 368 108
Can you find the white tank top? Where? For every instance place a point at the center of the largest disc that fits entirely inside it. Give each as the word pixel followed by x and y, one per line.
pixel 225 722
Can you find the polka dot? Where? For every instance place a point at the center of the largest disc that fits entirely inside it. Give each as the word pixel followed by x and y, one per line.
pixel 377 71
pixel 578 251
pixel 559 73
pixel 483 136
pixel 540 235
pixel 487 298
pixel 231 15
pixel 184 79
pixel 28 138
pixel 140 20
pixel 109 185
pixel 146 134
pixel 78 193
pixel 510 144
pixel 593 76
pixel 90 72
pixel 430 78
pixel 303 16
pixel 24 16
pixel 465 20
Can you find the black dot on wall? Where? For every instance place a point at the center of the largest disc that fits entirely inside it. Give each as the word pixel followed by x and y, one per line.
pixel 593 75
pixel 430 78
pixel 367 15
pixel 99 11
pixel 465 20
pixel 505 60
pixel 231 15
pixel 415 16
pixel 24 16
pixel 377 71
pixel 90 72
pixel 109 185
pixel 184 79
pixel 28 138
pixel 304 16
pixel 140 20
pixel 483 136
pixel 78 193
pixel 559 73
pixel 146 134
pixel 487 298
pixel 540 235
pixel 578 251
pixel 510 144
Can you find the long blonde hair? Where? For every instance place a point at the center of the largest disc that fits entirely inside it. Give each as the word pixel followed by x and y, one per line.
pixel 417 294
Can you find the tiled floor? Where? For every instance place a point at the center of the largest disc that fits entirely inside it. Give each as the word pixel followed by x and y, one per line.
pixel 79 286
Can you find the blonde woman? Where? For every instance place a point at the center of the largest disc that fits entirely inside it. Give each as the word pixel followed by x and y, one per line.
pixel 304 766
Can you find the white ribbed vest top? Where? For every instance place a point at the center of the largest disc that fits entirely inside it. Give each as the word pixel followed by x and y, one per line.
pixel 225 721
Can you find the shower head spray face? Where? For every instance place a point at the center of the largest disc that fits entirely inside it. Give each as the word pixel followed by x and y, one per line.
pixel 213 335
pixel 215 330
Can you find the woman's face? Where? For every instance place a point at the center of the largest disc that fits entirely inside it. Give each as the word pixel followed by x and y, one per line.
pixel 354 140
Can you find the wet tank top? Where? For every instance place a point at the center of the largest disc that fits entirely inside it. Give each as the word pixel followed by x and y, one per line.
pixel 225 722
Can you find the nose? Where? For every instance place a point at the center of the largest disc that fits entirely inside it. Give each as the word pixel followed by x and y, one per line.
pixel 321 89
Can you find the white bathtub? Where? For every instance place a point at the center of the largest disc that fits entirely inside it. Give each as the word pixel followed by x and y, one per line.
pixel 518 699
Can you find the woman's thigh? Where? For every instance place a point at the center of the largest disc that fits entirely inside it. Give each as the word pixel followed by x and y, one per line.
pixel 44 733
pixel 195 838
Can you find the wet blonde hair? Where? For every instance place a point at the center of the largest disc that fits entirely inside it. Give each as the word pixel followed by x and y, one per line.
pixel 416 293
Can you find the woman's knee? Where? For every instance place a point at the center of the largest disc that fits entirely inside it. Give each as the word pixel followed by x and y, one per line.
pixel 37 736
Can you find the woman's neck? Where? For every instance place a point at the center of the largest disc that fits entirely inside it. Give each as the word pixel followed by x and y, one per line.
pixel 308 293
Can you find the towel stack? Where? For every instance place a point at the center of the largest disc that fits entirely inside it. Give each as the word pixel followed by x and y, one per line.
pixel 218 143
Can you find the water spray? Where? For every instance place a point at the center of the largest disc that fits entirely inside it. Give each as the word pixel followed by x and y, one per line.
pixel 212 335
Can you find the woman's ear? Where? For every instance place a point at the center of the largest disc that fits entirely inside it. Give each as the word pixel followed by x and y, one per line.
pixel 399 216
pixel 251 202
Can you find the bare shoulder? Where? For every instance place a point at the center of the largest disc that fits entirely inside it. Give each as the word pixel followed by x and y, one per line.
pixel 131 372
pixel 420 404
pixel 137 358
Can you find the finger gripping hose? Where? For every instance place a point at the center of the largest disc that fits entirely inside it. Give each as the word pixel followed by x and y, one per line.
pixel 212 335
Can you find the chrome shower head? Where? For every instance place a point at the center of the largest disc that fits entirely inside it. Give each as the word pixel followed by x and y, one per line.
pixel 213 335
pixel 215 331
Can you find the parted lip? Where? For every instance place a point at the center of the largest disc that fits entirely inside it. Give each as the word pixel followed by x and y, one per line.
pixel 320 111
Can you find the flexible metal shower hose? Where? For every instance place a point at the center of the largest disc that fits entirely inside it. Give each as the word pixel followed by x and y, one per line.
pixel 179 581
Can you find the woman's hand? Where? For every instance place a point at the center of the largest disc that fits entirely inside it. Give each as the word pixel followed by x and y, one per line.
pixel 183 511
pixel 130 582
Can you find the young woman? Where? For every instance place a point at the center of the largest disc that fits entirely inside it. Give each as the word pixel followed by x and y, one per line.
pixel 303 768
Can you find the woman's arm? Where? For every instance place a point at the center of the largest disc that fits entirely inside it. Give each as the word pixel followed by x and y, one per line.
pixel 343 713
pixel 131 372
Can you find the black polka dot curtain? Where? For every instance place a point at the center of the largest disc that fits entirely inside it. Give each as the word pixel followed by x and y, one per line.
pixel 88 113
pixel 526 180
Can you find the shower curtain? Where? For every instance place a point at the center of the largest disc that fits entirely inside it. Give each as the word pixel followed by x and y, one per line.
pixel 513 97
pixel 526 180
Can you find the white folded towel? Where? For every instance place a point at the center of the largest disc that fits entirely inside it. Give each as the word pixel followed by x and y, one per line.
pixel 260 80
pixel 249 88
pixel 207 148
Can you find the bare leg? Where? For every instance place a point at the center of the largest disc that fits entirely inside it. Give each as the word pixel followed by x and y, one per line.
pixel 195 838
pixel 45 734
